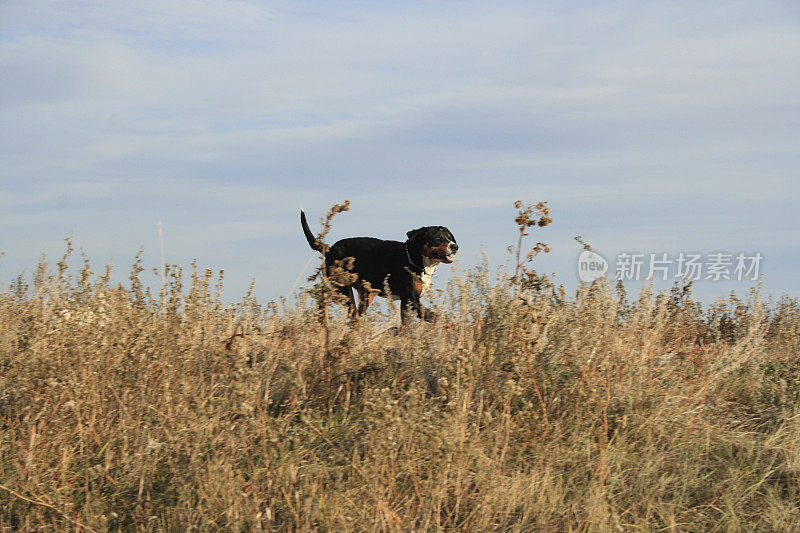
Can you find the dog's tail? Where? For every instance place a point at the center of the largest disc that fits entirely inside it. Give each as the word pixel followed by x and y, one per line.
pixel 312 241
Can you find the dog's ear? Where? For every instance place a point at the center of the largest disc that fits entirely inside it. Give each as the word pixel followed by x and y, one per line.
pixel 415 232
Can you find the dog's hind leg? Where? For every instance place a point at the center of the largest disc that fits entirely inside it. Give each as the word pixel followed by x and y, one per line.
pixel 365 296
pixel 365 299
pixel 347 292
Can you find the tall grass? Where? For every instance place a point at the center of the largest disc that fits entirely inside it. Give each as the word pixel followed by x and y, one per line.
pixel 520 409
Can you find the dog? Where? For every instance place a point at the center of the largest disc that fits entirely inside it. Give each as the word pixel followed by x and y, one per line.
pixel 391 269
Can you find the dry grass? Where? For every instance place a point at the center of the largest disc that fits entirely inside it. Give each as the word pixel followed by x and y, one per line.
pixel 125 410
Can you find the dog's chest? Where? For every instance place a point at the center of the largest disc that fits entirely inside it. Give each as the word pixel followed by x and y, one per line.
pixel 426 277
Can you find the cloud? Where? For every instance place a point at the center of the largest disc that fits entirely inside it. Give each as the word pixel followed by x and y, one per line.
pixel 216 115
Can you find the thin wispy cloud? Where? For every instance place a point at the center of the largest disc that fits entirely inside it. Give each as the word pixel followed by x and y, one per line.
pixel 639 121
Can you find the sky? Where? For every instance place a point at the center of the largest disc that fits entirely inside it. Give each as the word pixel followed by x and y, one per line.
pixel 661 127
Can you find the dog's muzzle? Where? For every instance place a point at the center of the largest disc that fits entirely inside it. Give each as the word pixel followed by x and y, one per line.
pixel 452 248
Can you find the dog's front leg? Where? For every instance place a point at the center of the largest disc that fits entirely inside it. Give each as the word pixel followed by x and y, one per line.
pixel 422 312
pixel 404 305
pixel 426 314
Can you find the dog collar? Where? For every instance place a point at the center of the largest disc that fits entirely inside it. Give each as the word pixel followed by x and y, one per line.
pixel 412 262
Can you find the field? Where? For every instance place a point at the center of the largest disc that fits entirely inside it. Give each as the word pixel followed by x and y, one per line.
pixel 520 409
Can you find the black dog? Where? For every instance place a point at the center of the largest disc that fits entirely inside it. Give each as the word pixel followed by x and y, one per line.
pixel 399 270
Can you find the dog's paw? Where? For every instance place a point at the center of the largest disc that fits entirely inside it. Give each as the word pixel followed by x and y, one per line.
pixel 429 316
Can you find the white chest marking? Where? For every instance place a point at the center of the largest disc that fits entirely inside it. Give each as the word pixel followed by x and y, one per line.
pixel 427 274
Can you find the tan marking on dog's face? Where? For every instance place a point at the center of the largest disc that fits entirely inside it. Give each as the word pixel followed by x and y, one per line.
pixel 441 252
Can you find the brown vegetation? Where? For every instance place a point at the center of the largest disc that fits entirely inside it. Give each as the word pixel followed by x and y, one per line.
pixel 520 410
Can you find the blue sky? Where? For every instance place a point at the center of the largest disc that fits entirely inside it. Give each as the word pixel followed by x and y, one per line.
pixel 649 126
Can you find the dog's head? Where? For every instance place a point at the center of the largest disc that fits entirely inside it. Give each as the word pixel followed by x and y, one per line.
pixel 435 242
